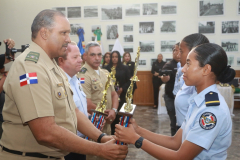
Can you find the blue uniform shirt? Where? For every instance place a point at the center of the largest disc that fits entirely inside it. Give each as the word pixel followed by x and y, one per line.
pixel 216 137
pixel 178 79
pixel 181 102
pixel 79 97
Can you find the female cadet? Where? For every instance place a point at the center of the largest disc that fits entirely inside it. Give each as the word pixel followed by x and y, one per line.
pixel 180 102
pixel 207 129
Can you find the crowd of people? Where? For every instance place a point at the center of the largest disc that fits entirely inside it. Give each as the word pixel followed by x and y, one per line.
pixel 50 95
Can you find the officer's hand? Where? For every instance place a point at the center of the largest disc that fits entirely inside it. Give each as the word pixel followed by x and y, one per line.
pixel 134 124
pixel 111 115
pixel 106 138
pixel 111 150
pixel 165 78
pixel 9 42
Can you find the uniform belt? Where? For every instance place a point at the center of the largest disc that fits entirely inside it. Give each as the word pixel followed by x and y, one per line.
pixel 30 154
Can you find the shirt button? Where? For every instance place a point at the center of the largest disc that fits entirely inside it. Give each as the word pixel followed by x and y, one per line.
pixel 192 101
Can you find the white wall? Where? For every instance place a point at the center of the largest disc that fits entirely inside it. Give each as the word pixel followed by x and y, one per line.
pixel 16 17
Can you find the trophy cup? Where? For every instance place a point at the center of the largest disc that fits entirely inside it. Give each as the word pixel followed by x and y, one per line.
pixel 128 109
pixel 98 114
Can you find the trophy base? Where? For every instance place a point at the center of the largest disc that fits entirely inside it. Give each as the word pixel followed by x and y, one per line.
pixel 104 114
pixel 122 111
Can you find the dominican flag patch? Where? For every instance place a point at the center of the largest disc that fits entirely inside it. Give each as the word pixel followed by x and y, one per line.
pixel 28 78
pixel 82 80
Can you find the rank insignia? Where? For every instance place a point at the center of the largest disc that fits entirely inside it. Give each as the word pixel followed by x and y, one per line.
pixel 59 94
pixel 211 99
pixel 83 70
pixel 60 85
pixel 32 56
pixel 208 120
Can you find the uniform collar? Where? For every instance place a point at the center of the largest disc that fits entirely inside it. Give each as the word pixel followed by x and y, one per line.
pixel 89 68
pixel 43 55
pixel 70 78
pixel 200 98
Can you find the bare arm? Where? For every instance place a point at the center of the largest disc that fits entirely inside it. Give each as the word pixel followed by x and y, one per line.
pixel 111 113
pixel 115 102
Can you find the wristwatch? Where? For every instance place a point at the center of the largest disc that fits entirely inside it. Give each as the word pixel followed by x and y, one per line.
pixel 116 111
pixel 138 143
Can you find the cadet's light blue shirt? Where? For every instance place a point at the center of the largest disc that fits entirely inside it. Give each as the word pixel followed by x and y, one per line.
pixel 178 79
pixel 181 102
pixel 215 141
pixel 79 97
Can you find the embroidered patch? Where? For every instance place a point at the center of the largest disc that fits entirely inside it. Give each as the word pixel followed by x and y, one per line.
pixel 208 120
pixel 83 70
pixel 28 78
pixel 32 56
pixel 82 80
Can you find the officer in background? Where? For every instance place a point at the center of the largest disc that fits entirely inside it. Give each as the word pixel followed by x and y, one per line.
pixel 41 119
pixel 156 80
pixel 95 80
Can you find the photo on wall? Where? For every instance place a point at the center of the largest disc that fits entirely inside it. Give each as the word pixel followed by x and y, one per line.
pixel 110 47
pixel 150 9
pixel 93 38
pixel 112 12
pixel 238 61
pixel 169 8
pixel 206 27
pixel 238 9
pixel 229 27
pixel 74 12
pixel 112 32
pixel 146 46
pixel 230 60
pixel 142 62
pixel 75 27
pixel 94 27
pixel 211 7
pixel 132 10
pixel 230 45
pixel 90 11
pixel 128 38
pixel 167 45
pixel 168 26
pixel 153 60
pixel 128 48
pixel 128 28
pixel 146 27
pixel 61 9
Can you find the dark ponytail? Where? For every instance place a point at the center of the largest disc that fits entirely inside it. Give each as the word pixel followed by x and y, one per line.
pixel 194 40
pixel 216 57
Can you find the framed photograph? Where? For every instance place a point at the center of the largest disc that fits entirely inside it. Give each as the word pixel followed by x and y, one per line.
pixel 169 8
pixel 167 26
pixel 166 46
pixel 142 62
pixel 230 60
pixel 61 9
pixel 128 48
pixel 94 27
pixel 128 38
pixel 238 61
pixel 206 27
pixel 110 47
pixel 146 27
pixel 229 27
pixel 238 7
pixel 230 45
pixel 147 46
pixel 75 27
pixel 150 9
pixel 153 60
pixel 211 7
pixel 74 12
pixel 112 32
pixel 168 59
pixel 93 38
pixel 113 12
pixel 128 28
pixel 90 11
pixel 132 10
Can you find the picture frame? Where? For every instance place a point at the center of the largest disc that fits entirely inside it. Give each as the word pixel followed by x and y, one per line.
pixel 132 10
pixel 74 12
pixel 168 27
pixel 111 12
pixel 146 27
pixel 206 27
pixel 211 7
pixel 147 46
pixel 90 11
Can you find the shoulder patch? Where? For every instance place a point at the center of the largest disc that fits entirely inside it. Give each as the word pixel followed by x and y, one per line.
pixel 32 56
pixel 211 99
pixel 83 70
pixel 208 120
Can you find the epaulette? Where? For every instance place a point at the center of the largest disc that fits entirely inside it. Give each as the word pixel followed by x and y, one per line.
pixel 211 99
pixel 83 70
pixel 32 56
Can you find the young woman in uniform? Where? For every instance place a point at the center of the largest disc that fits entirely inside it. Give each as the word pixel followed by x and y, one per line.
pixel 207 129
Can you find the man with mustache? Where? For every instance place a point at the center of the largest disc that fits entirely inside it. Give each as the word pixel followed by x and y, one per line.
pixel 40 117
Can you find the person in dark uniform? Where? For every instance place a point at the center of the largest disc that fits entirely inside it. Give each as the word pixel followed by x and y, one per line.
pixel 169 80
pixel 127 60
pixel 156 80
pixel 122 81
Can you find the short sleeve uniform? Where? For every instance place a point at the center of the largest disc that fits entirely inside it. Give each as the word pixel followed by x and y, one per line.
pixel 94 86
pixel 50 95
pixel 208 124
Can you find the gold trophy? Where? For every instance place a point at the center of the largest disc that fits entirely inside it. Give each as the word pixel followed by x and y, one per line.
pixel 98 114
pixel 128 108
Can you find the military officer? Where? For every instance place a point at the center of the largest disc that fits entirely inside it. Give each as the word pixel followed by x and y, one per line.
pixel 40 117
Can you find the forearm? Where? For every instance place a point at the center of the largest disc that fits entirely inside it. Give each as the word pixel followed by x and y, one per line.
pixel 90 105
pixel 115 102
pixel 162 140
